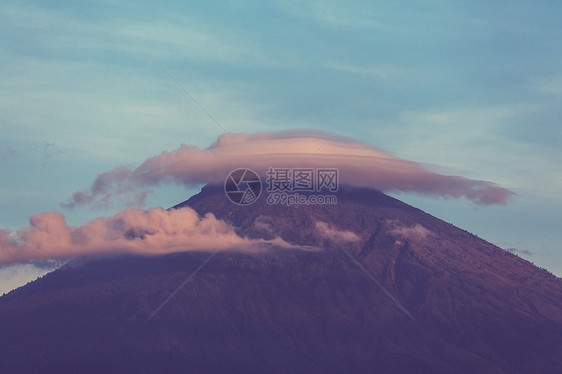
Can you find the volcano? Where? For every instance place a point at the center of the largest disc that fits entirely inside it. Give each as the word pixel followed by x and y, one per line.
pixel 372 285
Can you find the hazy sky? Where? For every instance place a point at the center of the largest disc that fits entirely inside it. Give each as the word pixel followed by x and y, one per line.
pixel 480 95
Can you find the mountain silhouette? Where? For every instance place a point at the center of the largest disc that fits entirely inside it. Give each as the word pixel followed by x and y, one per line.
pixel 373 285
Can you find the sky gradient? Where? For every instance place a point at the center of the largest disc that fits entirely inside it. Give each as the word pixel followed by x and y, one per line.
pixel 475 90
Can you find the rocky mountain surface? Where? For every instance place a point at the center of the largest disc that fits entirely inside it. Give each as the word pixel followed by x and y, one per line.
pixel 376 286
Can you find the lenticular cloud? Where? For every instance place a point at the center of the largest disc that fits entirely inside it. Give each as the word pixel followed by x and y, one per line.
pixel 359 165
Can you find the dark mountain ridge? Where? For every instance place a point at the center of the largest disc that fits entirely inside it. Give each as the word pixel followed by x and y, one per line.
pixel 475 307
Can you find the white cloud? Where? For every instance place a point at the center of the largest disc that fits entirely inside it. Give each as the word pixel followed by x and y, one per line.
pixel 340 236
pixel 16 275
pixel 332 13
pixel 416 232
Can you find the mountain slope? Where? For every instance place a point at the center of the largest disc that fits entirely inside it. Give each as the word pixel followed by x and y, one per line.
pixel 467 290
pixel 476 307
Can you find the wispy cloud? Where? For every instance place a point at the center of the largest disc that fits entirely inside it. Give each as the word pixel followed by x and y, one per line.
pixel 51 150
pixel 520 251
pixel 377 71
pixel 340 236
pixel 115 186
pixel 16 275
pixel 415 232
pixel 7 153
pixel 336 14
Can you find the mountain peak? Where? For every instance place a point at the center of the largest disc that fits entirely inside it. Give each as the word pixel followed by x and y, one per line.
pixel 475 307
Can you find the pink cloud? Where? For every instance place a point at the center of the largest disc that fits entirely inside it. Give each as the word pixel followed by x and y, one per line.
pixel 147 232
pixel 359 165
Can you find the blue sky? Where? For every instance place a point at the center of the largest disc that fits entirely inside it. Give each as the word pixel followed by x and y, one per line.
pixel 480 95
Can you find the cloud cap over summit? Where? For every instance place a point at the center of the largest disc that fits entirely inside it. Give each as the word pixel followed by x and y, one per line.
pixel 359 165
